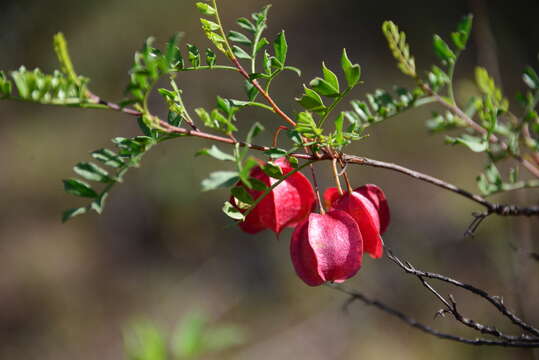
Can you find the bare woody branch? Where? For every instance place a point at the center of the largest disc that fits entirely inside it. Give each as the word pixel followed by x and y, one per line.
pixel 494 300
pixel 529 339
pixel 358 296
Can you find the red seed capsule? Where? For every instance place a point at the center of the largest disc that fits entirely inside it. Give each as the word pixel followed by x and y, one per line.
pixel 378 198
pixel 285 206
pixel 326 247
pixel 368 206
pixel 366 216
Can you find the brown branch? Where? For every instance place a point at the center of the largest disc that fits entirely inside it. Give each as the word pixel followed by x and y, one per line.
pixel 451 308
pixel 263 92
pixel 358 296
pixel 501 338
pixel 494 300
pixel 492 208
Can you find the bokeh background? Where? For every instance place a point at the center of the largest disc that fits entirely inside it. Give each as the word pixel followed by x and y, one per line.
pixel 163 249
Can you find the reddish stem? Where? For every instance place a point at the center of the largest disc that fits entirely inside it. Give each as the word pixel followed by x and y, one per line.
pixel 276 135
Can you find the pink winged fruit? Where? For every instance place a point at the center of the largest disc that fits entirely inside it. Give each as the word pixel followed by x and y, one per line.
pixel 285 206
pixel 326 247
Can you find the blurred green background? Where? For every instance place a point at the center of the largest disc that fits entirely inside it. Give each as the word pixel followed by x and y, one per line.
pixel 163 249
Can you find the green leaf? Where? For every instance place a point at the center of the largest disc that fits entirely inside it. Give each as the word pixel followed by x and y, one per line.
pixel 495 99
pixel 79 188
pixel 443 51
pixel 531 78
pixel 99 204
pixel 232 212
pixel 209 26
pixel 60 47
pixel 145 342
pixel 237 37
pixel 173 55
pixel 92 172
pixel 306 125
pixel 273 170
pixel 246 25
pixel 399 48
pixel 294 69
pixel 250 90
pixel 310 100
pixel 324 88
pixel 240 53
pixel 474 143
pixel 261 44
pixel 255 129
pixel 276 153
pixel 220 179
pixel 210 57
pixel 330 77
pixel 339 123
pixel 246 171
pixel 193 55
pixel 108 157
pixel 352 72
pixel 206 9
pixel 280 47
pixel 240 193
pixel 216 153
pixel 71 213
pixel 461 36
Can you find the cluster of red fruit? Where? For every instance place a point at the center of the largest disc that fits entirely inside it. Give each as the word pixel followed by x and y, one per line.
pixel 328 246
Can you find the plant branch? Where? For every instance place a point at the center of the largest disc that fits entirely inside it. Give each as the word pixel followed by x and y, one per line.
pixel 492 138
pixel 358 296
pixel 263 92
pixel 494 300
pixel 492 208
pixel 450 306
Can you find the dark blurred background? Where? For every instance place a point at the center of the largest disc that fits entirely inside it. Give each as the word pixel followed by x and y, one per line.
pixel 163 248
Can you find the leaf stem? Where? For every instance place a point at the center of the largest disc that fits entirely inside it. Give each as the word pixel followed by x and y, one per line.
pixel 336 102
pixel 336 176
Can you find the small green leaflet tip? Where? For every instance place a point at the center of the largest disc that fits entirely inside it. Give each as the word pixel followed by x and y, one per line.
pixel 206 9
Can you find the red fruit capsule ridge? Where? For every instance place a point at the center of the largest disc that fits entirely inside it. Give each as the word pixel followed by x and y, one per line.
pixel 326 247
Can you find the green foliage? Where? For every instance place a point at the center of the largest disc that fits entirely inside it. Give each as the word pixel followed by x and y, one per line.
pixel 150 65
pixel 220 180
pixel 400 48
pixel 352 72
pixel 5 86
pixel 444 122
pixel 211 28
pixel 221 118
pixel 328 86
pixel 490 182
pixel 461 36
pixel 192 338
pixel 62 53
pixel 129 155
pixel 486 125
pixel 474 143
pixel 380 106
pixel 443 51
pixel 35 86
pixel 306 126
pixel 437 78
pixel 145 342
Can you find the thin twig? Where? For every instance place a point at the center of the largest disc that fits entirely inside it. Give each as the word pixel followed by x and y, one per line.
pixel 481 130
pixel 356 295
pixel 451 308
pixel 494 300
